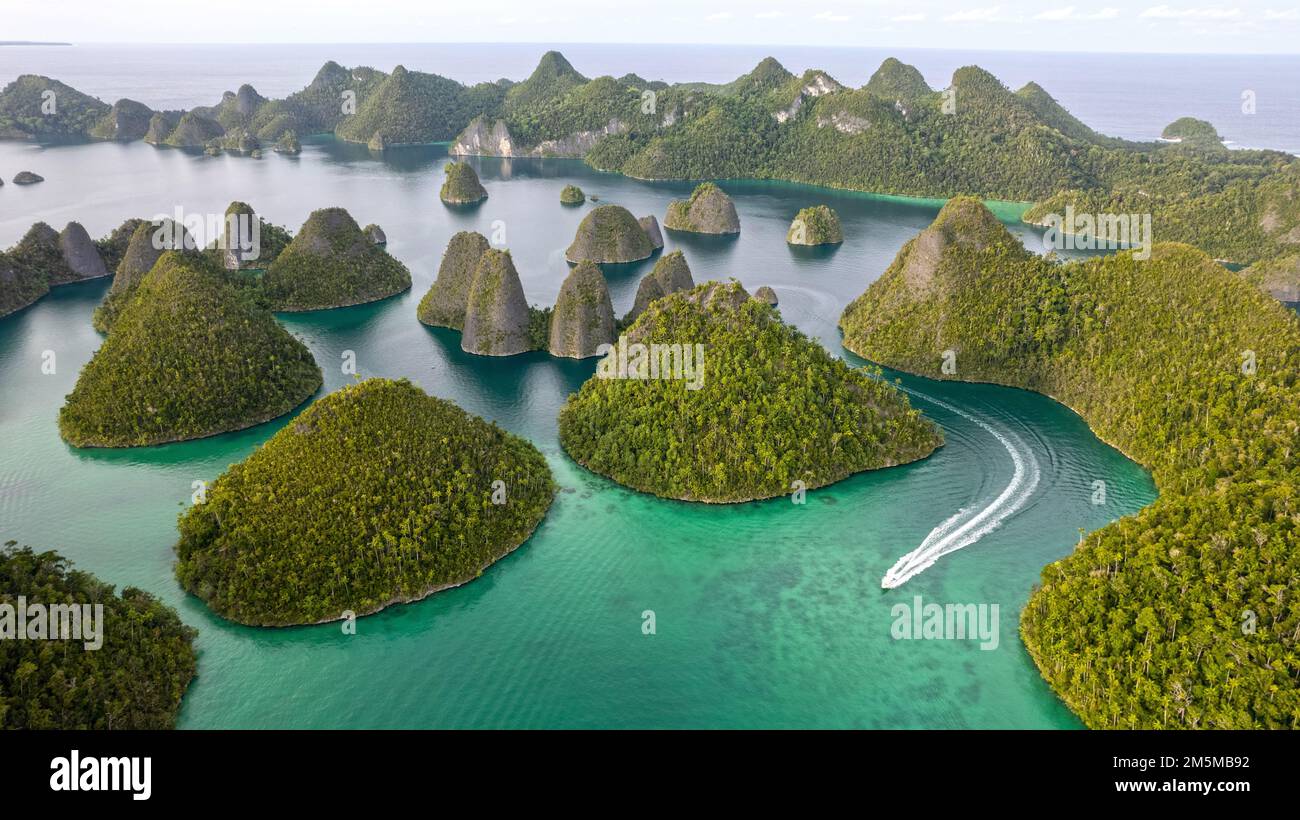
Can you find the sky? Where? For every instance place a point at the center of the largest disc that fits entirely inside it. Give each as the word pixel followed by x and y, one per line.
pixel 1232 26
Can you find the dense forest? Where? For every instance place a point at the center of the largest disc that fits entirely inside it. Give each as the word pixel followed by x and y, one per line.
pixel 134 680
pixel 192 354
pixel 772 407
pixel 1180 615
pixel 376 494
pixel 332 263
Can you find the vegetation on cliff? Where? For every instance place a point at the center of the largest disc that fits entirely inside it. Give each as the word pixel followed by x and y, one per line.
pixel 444 303
pixel 609 233
pixel 19 286
pixel 190 355
pixel 669 275
pixel 583 318
pixel 497 315
pixel 708 210
pixel 331 263
pixel 572 195
pixel 1175 616
pixel 461 187
pixel 376 494
pixel 758 407
pixel 148 243
pixel 134 679
pixel 819 225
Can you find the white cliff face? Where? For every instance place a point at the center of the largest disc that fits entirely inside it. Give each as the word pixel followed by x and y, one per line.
pixel 844 122
pixel 480 140
pixel 819 85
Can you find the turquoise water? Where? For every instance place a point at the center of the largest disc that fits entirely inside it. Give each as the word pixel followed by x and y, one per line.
pixel 767 614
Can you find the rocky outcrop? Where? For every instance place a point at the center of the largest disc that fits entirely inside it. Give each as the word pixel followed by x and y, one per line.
pixel 572 195
pixel 896 81
pixel 709 210
pixel 461 187
pixel 376 234
pixel 444 304
pixel 609 233
pixel 161 125
pixel 813 84
pixel 670 275
pixel 496 313
pixel 584 316
pixel 766 294
pixel 288 144
pixel 148 242
pixel 126 121
pixel 1279 278
pixel 194 131
pixel 819 225
pixel 80 254
pixel 114 246
pixel 651 227
pixel 27 178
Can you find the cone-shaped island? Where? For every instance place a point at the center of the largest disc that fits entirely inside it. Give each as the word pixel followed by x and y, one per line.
pixel 377 494
pixel 331 263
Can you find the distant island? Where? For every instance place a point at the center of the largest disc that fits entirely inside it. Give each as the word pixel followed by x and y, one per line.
pixel 895 135
pixel 31 43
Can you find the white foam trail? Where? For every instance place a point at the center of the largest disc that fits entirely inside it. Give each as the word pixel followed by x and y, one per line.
pixel 955 533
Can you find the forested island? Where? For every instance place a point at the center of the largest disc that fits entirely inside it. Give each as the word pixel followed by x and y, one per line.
pixel 757 410
pixel 1177 616
pixel 332 263
pixel 376 494
pixel 192 353
pixel 134 679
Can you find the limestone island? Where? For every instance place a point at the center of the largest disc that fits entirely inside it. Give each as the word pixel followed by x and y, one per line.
pixel 435 496
pixel 819 225
pixel 572 195
pixel 610 233
pixel 1188 369
pixel 444 304
pixel 27 178
pixel 238 252
pixel 497 317
pixel 708 210
pixel 461 187
pixel 669 275
pixel 132 676
pixel 61 257
pixel 191 354
pixel 710 397
pixel 584 316
pixel 331 263
pixel 148 243
pixel 766 294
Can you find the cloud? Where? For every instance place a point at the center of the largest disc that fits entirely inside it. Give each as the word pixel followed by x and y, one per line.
pixel 908 18
pixel 827 17
pixel 769 15
pixel 719 17
pixel 984 15
pixel 1072 13
pixel 1205 13
pixel 1282 14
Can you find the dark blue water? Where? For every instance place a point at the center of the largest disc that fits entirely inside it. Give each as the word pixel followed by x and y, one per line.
pixel 1124 95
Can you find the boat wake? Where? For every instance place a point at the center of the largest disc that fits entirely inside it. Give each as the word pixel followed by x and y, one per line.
pixel 968 525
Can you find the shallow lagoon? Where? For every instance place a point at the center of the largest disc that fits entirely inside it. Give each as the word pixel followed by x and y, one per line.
pixel 767 614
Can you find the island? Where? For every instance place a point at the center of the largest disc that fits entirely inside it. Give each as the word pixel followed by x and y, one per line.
pixel 766 294
pixel 708 210
pixel 27 178
pixel 148 243
pixel 1140 624
pixel 435 496
pixel 669 275
pixel 583 319
pixel 461 187
pixel 497 316
pixel 240 252
pixel 1194 132
pixel 818 225
pixel 572 195
pixel 61 257
pixel 610 233
pixel 710 397
pixel 331 263
pixel 131 675
pixel 191 354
